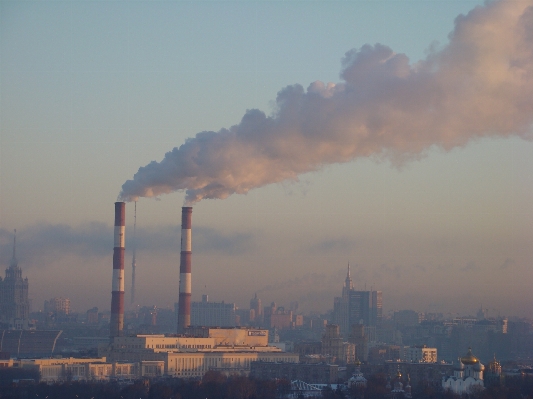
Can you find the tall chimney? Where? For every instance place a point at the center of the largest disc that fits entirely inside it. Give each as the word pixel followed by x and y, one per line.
pixel 117 294
pixel 184 309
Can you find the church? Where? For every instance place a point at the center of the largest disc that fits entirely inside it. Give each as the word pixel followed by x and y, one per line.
pixel 467 376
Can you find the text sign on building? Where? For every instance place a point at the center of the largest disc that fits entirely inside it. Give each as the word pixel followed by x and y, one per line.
pixel 257 333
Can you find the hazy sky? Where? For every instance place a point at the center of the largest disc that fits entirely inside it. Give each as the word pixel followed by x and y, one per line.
pixel 422 179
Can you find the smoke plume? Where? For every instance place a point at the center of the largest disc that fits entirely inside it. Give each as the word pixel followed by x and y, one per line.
pixel 480 84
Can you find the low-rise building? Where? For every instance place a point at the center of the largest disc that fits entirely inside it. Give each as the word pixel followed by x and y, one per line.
pixel 419 354
pixel 63 369
pixel 230 351
pixel 95 369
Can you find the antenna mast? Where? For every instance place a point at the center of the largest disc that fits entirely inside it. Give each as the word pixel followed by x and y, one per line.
pixel 133 261
pixel 14 262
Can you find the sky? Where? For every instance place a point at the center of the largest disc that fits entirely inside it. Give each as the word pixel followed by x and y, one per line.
pixel 414 166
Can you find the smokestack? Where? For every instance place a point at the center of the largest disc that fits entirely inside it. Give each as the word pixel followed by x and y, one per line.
pixel 117 294
pixel 184 309
pixel 133 261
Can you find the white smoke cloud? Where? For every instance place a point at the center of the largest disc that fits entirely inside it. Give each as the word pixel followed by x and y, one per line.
pixel 480 84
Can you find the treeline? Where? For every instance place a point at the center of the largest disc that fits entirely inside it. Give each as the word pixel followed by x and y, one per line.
pixel 214 385
pixel 513 387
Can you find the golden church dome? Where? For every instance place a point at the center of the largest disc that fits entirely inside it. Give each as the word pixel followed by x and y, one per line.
pixel 469 358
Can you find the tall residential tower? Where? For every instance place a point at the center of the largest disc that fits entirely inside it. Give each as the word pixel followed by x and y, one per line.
pixel 357 307
pixel 14 302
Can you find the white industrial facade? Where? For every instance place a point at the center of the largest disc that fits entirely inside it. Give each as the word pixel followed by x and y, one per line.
pixel 230 351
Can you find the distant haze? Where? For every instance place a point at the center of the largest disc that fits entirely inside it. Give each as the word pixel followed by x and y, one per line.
pixel 393 135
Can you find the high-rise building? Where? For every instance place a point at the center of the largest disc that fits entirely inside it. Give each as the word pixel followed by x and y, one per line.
pixel 357 307
pixel 406 318
pixel 14 302
pixel 92 316
pixel 360 340
pixel 256 310
pixel 212 314
pixel 334 348
pixel 281 319
pixel 57 305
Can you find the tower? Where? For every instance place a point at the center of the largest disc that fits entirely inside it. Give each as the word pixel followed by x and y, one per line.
pixel 184 304
pixel 133 260
pixel 255 305
pixel 14 302
pixel 348 284
pixel 354 307
pixel 117 294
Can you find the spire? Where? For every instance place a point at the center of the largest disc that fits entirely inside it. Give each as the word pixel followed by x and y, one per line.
pixel 348 285
pixel 398 372
pixel 14 262
pixel 348 282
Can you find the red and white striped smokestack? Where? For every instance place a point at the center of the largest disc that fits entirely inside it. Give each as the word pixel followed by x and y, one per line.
pixel 117 294
pixel 184 307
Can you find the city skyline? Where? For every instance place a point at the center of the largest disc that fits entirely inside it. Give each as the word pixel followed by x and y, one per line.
pixel 93 91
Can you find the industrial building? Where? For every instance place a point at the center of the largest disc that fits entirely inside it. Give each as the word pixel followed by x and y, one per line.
pixel 194 350
pixel 230 351
pixel 28 343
